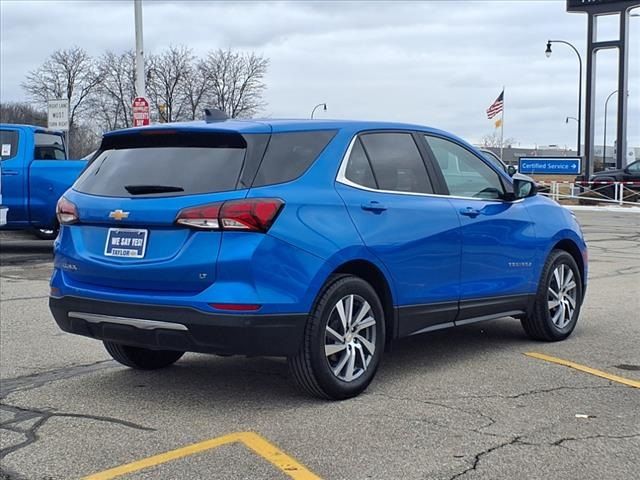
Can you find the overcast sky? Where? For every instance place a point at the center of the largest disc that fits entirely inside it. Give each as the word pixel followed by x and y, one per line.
pixel 434 63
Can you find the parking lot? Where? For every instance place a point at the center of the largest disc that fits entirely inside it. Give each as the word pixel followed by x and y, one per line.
pixel 481 401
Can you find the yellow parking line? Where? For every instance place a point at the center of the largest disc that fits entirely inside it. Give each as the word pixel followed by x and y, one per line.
pixel 251 440
pixel 583 368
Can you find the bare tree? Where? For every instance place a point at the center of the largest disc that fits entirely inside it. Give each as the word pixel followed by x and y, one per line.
pixel 236 81
pixel 116 91
pixel 179 85
pixel 69 74
pixel 197 89
pixel 167 74
pixel 19 112
pixel 493 140
pixel 83 139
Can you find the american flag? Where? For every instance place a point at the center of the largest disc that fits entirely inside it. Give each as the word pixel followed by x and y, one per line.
pixel 496 107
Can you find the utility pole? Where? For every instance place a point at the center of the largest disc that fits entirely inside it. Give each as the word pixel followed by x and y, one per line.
pixel 140 77
pixel 140 107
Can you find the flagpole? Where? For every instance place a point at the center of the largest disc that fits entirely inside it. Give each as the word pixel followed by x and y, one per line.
pixel 502 126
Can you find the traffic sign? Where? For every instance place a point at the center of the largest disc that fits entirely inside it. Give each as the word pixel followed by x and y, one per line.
pixel 58 114
pixel 549 165
pixel 140 112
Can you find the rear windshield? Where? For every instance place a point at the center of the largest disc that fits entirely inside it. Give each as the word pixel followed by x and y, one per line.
pixel 49 146
pixel 167 165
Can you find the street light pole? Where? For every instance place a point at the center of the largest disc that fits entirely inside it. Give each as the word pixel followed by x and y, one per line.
pixel 319 105
pixel 548 53
pixel 140 86
pixel 604 139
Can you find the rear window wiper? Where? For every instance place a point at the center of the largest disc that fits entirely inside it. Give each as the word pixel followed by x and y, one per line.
pixel 145 189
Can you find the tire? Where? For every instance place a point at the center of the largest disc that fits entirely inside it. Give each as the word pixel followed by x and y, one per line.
pixel 47 233
pixel 549 322
pixel 348 371
pixel 141 358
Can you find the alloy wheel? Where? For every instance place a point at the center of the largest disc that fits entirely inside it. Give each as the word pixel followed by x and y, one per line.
pixel 350 337
pixel 562 295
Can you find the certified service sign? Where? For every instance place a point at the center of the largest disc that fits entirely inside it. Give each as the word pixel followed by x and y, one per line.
pixel 549 165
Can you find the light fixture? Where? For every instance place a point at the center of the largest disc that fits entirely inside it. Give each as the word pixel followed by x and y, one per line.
pixel 547 52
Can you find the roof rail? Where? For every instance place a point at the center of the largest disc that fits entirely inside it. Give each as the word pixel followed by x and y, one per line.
pixel 212 115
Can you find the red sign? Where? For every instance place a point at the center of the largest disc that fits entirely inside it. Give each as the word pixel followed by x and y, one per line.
pixel 140 112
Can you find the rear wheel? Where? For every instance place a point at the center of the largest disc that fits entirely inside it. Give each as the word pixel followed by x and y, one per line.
pixel 343 340
pixel 142 358
pixel 558 300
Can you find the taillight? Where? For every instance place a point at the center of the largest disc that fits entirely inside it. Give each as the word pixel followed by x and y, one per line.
pixel 249 214
pixel 205 217
pixel 66 212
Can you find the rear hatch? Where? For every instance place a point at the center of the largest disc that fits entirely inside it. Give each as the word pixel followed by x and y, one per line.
pixel 127 202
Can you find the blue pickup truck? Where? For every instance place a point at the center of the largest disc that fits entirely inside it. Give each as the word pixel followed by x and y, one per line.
pixel 35 173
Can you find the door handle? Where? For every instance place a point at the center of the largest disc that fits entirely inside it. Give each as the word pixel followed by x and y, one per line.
pixel 469 212
pixel 373 206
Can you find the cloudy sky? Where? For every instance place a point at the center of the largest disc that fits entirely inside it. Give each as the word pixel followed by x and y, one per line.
pixel 439 63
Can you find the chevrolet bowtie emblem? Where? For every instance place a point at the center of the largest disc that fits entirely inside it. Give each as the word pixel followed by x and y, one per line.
pixel 118 214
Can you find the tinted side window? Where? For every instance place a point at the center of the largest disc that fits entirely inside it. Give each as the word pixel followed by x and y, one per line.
pixel 359 168
pixel 49 146
pixel 464 173
pixel 633 168
pixel 289 155
pixel 397 163
pixel 9 144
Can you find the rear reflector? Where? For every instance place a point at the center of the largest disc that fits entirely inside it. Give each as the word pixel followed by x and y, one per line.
pixel 249 214
pixel 236 307
pixel 66 212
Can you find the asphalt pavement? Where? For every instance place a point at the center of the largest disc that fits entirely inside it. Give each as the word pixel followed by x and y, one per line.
pixel 464 403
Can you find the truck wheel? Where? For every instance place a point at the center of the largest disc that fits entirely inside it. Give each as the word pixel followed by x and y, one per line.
pixel 343 340
pixel 47 233
pixel 141 358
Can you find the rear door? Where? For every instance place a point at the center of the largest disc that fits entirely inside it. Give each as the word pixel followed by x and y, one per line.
pixel 387 189
pixel 128 199
pixel 498 237
pixel 13 142
pixel 50 175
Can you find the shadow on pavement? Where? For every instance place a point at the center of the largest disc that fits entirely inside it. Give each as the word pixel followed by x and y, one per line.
pixel 264 383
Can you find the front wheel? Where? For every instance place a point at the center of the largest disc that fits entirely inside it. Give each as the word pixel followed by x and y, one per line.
pixel 141 358
pixel 343 341
pixel 558 300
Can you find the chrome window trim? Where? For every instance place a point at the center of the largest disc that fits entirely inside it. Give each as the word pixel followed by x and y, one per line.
pixel 342 178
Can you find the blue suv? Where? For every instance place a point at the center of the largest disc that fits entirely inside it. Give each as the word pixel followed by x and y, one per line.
pixel 318 241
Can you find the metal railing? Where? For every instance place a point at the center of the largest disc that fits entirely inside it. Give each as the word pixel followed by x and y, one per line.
pixel 619 193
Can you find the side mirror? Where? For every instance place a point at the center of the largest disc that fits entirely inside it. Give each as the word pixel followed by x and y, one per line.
pixel 523 186
pixel 511 170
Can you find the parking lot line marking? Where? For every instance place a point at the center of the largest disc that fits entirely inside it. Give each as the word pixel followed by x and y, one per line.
pixel 584 368
pixel 251 440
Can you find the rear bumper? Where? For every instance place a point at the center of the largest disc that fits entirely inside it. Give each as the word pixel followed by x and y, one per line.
pixel 179 328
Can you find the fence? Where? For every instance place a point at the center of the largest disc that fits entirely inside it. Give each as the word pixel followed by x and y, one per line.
pixel 620 193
